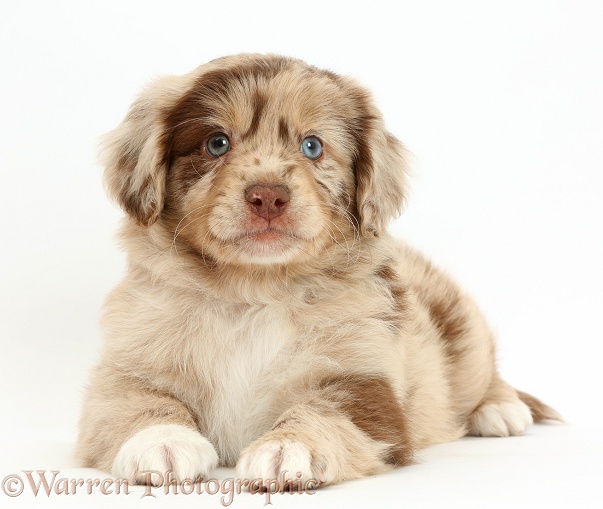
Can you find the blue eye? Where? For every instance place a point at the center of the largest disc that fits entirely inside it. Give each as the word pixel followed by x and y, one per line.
pixel 311 147
pixel 218 145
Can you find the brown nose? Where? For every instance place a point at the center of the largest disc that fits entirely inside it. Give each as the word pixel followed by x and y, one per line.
pixel 267 201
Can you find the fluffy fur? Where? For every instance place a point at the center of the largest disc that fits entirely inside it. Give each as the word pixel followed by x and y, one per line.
pixel 297 338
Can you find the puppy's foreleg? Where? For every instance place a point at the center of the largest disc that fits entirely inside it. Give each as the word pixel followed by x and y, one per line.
pixel 349 427
pixel 139 435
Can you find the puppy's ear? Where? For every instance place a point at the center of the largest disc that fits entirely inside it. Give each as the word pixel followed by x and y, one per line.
pixel 135 159
pixel 381 168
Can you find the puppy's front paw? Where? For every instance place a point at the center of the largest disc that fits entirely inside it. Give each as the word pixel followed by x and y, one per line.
pixel 500 419
pixel 279 462
pixel 164 448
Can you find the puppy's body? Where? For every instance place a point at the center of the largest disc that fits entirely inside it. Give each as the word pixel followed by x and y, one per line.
pixel 298 337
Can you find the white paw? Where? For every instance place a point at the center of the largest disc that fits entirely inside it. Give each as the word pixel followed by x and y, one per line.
pixel 165 448
pixel 279 461
pixel 500 419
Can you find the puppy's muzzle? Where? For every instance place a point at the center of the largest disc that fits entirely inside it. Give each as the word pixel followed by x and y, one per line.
pixel 267 201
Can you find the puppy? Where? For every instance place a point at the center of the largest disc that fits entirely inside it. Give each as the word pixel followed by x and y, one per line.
pixel 267 320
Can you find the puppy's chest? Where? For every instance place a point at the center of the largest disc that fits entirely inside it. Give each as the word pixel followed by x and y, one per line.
pixel 242 356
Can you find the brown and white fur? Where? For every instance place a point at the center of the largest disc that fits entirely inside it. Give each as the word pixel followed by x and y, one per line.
pixel 305 339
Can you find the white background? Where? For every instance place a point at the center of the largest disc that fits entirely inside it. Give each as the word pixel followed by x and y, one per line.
pixel 501 104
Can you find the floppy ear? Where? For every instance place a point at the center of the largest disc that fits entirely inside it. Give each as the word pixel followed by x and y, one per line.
pixel 135 159
pixel 381 170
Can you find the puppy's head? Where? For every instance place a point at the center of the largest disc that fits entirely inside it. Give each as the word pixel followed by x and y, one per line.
pixel 256 159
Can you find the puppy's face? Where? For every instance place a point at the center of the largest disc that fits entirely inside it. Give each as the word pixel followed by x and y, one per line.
pixel 257 160
pixel 260 163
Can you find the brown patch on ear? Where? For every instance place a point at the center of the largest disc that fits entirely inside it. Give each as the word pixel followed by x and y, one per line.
pixel 142 205
pixel 135 166
pixel 363 166
pixel 380 168
pixel 540 411
pixel 372 406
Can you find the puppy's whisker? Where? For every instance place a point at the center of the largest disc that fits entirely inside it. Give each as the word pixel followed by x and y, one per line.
pixel 189 223
pixel 176 230
pixel 342 212
pixel 203 248
pixel 347 215
pixel 347 247
pixel 334 239
pixel 355 237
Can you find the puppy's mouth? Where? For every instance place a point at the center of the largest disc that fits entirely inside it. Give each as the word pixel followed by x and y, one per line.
pixel 269 235
pixel 267 241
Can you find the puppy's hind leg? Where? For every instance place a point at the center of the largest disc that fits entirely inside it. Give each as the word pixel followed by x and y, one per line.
pixel 507 412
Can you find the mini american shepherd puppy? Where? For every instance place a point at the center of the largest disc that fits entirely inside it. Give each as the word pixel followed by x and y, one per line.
pixel 267 320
